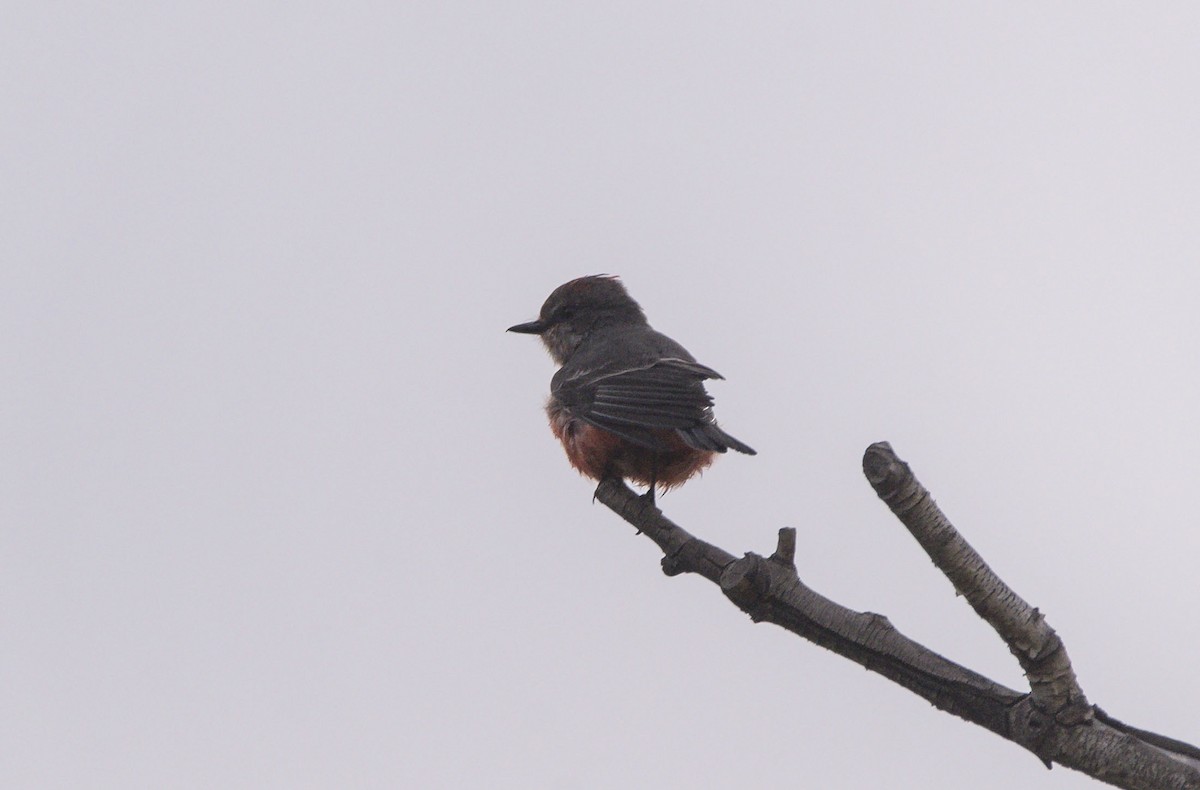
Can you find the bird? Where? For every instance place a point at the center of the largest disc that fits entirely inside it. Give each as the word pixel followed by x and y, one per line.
pixel 627 401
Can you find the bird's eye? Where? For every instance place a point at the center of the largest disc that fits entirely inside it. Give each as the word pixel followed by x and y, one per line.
pixel 564 313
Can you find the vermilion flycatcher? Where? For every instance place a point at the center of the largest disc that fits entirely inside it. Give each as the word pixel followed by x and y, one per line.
pixel 628 401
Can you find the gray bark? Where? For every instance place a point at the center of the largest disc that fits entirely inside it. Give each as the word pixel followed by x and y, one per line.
pixel 1053 719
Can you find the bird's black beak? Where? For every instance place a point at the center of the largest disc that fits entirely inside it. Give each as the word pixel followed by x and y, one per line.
pixel 530 328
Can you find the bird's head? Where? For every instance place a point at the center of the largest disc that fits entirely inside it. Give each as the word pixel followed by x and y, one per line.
pixel 578 308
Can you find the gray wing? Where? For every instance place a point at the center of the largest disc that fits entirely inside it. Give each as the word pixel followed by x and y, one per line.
pixel 638 403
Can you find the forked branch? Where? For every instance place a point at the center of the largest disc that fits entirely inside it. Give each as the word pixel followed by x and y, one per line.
pixel 1053 719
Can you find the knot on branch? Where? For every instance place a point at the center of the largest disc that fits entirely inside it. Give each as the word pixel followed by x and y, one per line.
pixel 683 559
pixel 1045 732
pixel 891 478
pixel 785 549
pixel 1033 728
pixel 747 582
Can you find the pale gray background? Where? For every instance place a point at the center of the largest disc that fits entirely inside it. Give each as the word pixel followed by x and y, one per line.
pixel 279 506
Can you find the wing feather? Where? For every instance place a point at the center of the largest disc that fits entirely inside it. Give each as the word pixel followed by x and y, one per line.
pixel 637 402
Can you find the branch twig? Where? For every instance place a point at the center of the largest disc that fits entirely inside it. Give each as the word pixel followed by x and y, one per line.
pixel 1023 628
pixel 1053 720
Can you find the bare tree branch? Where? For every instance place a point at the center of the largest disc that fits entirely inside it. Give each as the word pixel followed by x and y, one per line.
pixel 1022 627
pixel 1053 720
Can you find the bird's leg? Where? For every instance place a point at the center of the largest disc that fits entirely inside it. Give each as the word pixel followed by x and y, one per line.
pixel 649 495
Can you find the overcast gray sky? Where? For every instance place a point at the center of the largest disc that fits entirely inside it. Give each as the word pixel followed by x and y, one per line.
pixel 279 504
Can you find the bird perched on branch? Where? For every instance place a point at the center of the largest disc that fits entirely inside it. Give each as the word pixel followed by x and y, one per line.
pixel 628 401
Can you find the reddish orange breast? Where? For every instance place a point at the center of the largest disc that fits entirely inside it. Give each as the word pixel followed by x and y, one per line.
pixel 598 454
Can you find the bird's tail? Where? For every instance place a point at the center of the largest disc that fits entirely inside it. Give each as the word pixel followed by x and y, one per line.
pixel 711 437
